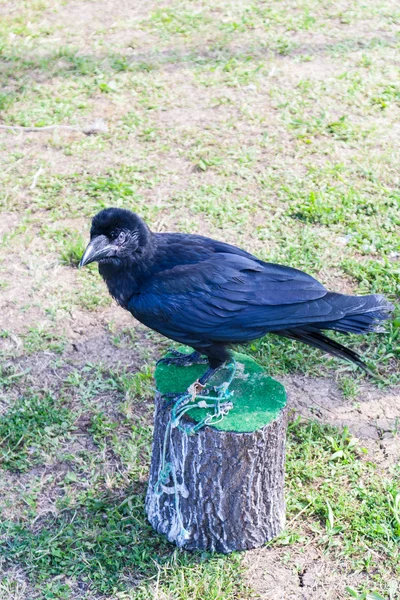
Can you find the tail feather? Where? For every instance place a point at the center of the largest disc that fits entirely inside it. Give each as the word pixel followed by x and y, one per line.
pixel 363 314
pixel 359 318
pixel 326 344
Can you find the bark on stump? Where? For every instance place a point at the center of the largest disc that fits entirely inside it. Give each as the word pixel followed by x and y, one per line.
pixel 226 488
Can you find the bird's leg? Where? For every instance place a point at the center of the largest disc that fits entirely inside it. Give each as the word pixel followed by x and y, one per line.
pixel 197 387
pixel 181 359
pixel 207 375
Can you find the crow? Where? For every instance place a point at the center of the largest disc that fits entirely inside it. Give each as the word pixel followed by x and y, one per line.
pixel 209 295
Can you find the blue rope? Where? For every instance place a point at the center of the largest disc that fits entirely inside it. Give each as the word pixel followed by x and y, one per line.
pixel 185 403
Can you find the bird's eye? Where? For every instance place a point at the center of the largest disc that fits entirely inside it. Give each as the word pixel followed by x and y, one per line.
pixel 121 237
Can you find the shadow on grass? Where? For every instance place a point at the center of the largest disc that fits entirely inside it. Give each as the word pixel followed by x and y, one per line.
pixel 69 61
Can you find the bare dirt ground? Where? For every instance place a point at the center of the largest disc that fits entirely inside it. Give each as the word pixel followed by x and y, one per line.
pixel 372 418
pixel 308 575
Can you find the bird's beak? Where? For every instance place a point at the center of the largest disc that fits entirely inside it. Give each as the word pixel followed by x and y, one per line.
pixel 97 249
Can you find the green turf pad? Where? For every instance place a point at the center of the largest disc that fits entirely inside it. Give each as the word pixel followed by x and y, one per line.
pixel 257 398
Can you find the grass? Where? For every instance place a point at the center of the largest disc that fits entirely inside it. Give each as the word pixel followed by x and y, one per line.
pixel 365 516
pixel 269 125
pixel 28 429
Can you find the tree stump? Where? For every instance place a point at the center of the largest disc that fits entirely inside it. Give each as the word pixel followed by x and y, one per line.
pixel 223 489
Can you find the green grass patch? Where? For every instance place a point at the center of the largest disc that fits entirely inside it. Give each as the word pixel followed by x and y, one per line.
pixel 30 428
pixel 39 338
pixel 104 542
pixel 375 275
pixel 72 251
pixel 342 498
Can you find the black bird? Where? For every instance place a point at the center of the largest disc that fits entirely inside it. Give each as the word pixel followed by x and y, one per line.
pixel 209 295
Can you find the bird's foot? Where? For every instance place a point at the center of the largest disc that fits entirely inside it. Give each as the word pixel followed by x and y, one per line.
pixel 182 359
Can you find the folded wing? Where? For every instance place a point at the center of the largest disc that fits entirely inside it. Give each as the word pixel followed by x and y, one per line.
pixel 230 298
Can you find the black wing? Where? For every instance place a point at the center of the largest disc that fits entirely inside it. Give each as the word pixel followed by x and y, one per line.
pixel 229 298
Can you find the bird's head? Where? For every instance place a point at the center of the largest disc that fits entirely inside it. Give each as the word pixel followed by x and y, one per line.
pixel 116 235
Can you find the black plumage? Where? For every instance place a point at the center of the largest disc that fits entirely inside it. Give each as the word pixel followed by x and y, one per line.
pixel 209 295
